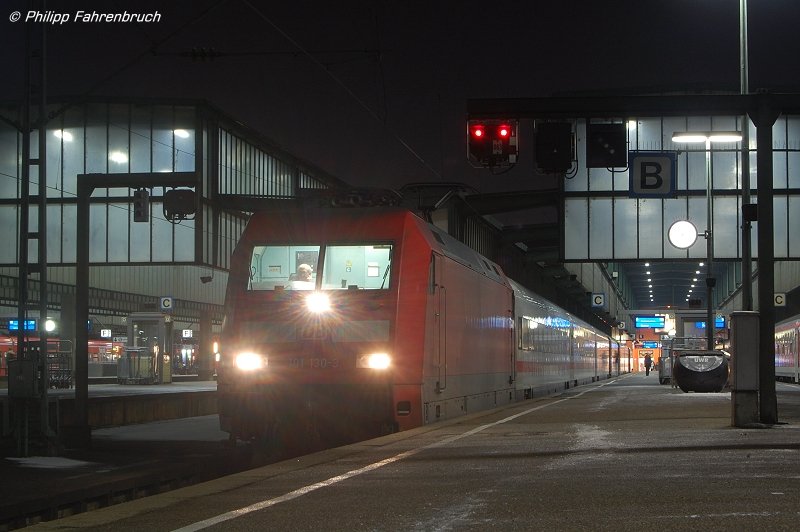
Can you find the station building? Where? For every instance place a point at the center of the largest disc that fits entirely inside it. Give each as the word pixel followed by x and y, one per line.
pixel 603 235
pixel 134 265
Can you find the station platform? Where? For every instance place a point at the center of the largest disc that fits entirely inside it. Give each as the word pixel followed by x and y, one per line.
pixel 624 454
pixel 113 405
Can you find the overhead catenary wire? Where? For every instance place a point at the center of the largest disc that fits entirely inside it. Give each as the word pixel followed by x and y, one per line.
pixel 151 50
pixel 372 113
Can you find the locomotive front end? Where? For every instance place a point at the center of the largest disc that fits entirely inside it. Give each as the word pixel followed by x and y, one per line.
pixel 308 355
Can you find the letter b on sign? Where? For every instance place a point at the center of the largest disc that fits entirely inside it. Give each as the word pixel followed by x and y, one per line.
pixel 652 174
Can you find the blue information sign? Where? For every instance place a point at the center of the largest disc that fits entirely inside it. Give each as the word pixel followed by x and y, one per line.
pixel 719 323
pixel 13 325
pixel 648 322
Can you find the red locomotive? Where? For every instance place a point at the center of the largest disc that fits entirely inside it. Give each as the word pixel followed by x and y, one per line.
pixel 346 323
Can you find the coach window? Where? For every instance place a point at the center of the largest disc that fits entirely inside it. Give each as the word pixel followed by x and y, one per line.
pixel 357 267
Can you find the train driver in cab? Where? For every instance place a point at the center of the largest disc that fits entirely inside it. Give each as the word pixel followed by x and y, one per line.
pixel 302 280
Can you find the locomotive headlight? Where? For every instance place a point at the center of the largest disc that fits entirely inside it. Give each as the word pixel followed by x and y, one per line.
pixel 374 361
pixel 318 303
pixel 249 361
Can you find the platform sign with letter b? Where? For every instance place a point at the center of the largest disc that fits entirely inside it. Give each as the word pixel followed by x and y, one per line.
pixel 652 174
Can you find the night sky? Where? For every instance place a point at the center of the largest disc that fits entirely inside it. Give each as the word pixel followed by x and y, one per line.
pixel 375 92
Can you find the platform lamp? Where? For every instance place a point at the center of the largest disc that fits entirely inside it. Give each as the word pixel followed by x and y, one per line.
pixel 683 234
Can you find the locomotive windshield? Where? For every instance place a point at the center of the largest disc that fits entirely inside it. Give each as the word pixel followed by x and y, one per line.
pixel 298 267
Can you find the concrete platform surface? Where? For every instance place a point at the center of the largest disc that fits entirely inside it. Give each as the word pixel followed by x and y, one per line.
pixel 623 454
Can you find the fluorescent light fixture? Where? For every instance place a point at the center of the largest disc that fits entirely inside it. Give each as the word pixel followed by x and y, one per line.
pixel 118 157
pixel 689 137
pixel 66 136
pixel 725 136
pixel 182 133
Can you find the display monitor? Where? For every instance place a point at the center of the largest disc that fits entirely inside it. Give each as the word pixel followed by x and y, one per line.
pixel 649 322
pixel 719 323
pixel 13 325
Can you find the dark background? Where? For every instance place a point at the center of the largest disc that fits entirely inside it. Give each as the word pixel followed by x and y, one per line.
pixel 375 92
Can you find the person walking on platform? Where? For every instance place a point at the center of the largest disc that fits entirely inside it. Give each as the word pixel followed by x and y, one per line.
pixel 648 361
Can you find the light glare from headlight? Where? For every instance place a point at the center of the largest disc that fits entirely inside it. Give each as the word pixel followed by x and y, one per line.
pixel 375 361
pixel 250 361
pixel 317 302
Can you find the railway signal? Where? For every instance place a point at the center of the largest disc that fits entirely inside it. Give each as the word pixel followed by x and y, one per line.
pixel 492 143
pixel 606 145
pixel 141 205
pixel 554 147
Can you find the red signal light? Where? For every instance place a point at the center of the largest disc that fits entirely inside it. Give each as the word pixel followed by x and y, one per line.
pixel 478 131
pixel 491 143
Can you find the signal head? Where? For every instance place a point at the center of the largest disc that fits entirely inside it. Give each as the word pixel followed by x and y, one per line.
pixel 492 143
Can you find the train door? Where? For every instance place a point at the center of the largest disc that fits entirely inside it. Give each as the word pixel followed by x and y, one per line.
pixel 794 347
pixel 573 353
pixel 512 341
pixel 439 293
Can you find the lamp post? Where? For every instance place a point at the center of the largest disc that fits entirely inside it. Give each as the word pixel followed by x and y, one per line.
pixel 680 233
pixel 747 260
